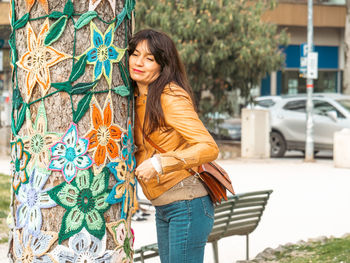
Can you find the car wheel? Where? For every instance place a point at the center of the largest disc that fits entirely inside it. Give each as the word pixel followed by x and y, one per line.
pixel 278 144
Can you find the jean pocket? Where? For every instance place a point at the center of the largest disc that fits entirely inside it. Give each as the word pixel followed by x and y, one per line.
pixel 208 206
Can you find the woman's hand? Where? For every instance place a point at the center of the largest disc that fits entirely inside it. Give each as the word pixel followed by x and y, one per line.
pixel 145 171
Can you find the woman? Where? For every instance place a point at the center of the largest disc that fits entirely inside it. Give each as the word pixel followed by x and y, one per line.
pixel 166 119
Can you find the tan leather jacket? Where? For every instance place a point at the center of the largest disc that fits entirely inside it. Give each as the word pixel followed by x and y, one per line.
pixel 187 142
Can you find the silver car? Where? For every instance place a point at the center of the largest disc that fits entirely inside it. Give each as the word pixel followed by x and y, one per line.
pixel 288 120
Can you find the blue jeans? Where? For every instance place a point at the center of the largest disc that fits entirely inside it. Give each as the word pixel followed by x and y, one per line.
pixel 183 228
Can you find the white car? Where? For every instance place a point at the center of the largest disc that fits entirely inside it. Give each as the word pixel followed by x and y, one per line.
pixel 331 113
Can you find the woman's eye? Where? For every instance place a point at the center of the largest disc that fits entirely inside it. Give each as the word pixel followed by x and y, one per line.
pixel 133 54
pixel 150 59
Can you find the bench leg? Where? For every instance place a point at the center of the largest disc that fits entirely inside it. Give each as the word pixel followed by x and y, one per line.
pixel 215 251
pixel 247 247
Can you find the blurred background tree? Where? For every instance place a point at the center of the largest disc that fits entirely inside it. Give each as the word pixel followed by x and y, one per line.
pixel 224 44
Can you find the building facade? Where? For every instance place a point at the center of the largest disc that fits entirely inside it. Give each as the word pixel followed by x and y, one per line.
pixel 329 23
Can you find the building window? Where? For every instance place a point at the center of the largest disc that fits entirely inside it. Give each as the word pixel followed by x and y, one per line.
pixel 292 83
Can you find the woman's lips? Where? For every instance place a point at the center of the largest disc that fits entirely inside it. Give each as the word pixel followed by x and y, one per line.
pixel 137 71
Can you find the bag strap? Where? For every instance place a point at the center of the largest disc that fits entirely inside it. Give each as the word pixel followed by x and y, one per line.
pixel 154 145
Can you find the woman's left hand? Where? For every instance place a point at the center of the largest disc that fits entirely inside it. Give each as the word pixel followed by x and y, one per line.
pixel 145 171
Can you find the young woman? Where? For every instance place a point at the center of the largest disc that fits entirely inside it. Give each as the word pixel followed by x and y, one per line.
pixel 170 139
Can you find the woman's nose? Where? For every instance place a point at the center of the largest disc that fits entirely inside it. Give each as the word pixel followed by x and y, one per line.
pixel 139 61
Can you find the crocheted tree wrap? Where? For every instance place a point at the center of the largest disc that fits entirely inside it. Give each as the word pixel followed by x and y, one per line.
pixel 84 200
pixel 124 239
pixel 123 190
pixel 103 135
pixel 37 150
pixel 70 154
pixel 28 248
pixel 83 247
pixel 38 139
pixel 128 149
pixel 19 161
pixel 33 198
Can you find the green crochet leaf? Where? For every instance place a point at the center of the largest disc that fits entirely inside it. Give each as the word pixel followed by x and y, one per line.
pixel 78 68
pixel 56 30
pixel 21 117
pixel 124 73
pixel 82 88
pixel 120 18
pixel 17 99
pixel 129 6
pixel 21 22
pixel 85 19
pixel 122 91
pixel 68 8
pixel 62 86
pixel 83 106
pixel 55 14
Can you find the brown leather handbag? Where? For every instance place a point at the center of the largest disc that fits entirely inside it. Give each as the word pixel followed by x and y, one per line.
pixel 212 175
pixel 215 179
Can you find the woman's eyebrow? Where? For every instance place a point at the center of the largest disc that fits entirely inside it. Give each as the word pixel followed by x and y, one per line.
pixel 147 53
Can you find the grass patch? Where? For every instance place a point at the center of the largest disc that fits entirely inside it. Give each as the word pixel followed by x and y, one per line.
pixel 332 250
pixel 5 198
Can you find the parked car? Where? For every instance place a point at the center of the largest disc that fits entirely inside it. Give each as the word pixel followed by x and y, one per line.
pixel 331 113
pixel 224 127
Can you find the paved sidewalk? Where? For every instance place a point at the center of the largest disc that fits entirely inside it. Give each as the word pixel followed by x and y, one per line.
pixel 309 200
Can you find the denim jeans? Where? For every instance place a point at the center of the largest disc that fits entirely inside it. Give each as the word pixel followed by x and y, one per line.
pixel 183 228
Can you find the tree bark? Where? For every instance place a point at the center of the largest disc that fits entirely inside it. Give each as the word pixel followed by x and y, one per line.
pixel 346 75
pixel 58 106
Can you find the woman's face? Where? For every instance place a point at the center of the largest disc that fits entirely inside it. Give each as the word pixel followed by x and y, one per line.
pixel 143 67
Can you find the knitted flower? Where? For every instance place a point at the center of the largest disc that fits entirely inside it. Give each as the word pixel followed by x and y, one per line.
pixel 28 249
pixel 128 148
pixel 104 134
pixel 39 140
pixel 19 161
pixel 124 239
pixel 84 200
pixel 123 190
pixel 103 53
pixel 38 59
pixel 70 154
pixel 32 199
pixel 83 247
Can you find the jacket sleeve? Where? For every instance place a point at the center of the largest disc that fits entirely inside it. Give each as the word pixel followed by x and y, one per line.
pixel 180 115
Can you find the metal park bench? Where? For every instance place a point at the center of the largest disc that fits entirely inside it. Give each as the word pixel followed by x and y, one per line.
pixel 239 215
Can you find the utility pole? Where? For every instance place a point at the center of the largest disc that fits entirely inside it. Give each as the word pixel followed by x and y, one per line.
pixel 309 144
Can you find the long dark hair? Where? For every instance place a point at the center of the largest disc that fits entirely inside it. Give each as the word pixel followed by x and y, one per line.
pixel 172 70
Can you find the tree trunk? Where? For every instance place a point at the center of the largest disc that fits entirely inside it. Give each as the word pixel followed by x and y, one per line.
pixel 346 75
pixel 74 144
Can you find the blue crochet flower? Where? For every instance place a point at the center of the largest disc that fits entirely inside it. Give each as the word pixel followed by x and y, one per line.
pixel 123 190
pixel 70 154
pixel 102 53
pixel 128 148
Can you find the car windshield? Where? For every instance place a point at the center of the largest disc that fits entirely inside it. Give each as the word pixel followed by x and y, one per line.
pixel 266 103
pixel 345 104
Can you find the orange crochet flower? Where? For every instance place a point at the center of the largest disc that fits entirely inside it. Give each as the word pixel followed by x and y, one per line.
pixel 38 59
pixel 104 135
pixel 43 3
